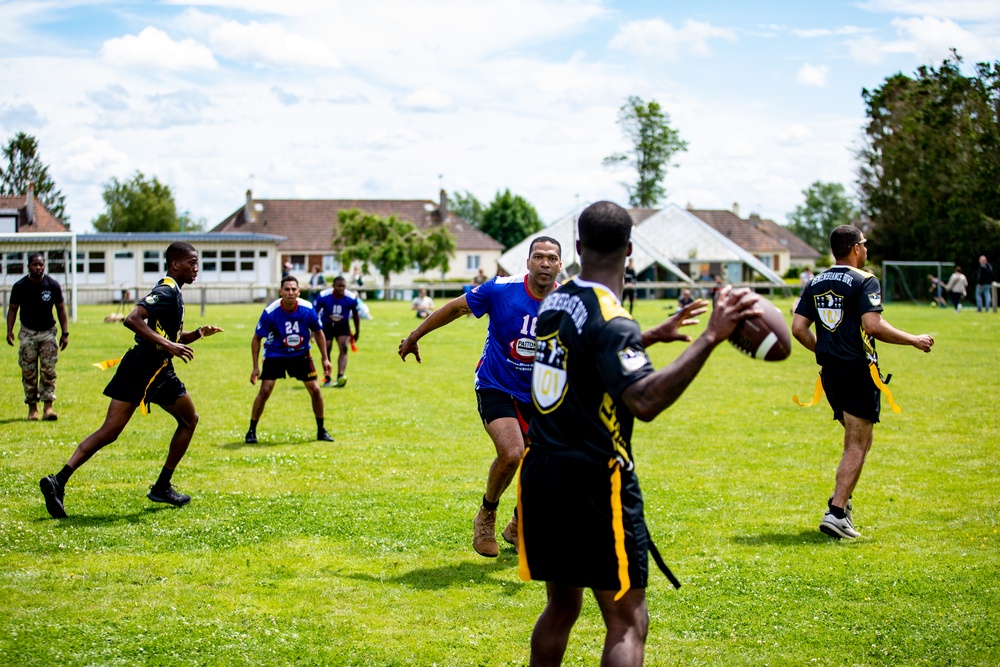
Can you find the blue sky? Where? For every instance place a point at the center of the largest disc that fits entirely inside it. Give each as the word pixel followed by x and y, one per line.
pixel 394 99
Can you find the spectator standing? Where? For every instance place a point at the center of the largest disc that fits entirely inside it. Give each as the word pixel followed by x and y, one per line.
pixel 317 283
pixel 423 304
pixel 629 291
pixel 38 349
pixel 956 288
pixel 984 285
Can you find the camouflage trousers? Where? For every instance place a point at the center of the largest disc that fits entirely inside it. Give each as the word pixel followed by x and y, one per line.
pixel 37 355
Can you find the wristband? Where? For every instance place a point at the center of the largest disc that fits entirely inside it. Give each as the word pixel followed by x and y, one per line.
pixel 201 333
pixel 65 333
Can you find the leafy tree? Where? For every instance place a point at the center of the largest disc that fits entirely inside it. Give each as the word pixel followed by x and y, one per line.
pixel 826 206
pixel 23 166
pixel 930 165
pixel 138 205
pixel 391 245
pixel 509 219
pixel 467 207
pixel 654 143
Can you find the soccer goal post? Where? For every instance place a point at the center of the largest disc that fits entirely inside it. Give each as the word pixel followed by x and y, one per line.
pixel 910 281
pixel 59 249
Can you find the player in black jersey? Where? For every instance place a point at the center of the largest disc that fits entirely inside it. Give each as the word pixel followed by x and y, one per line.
pixel 146 375
pixel 846 305
pixel 579 505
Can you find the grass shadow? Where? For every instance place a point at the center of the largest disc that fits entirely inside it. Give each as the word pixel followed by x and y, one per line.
pixel 266 444
pixel 781 539
pixel 84 521
pixel 448 576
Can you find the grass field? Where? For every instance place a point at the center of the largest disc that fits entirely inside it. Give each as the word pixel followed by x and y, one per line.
pixel 295 552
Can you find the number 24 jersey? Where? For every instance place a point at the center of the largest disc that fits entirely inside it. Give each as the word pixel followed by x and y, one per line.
pixel 286 334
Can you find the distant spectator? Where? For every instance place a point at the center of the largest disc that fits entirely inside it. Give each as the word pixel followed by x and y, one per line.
pixel 984 297
pixel 423 304
pixel 956 287
pixel 316 283
pixel 480 278
pixel 286 269
pixel 685 298
pixel 629 291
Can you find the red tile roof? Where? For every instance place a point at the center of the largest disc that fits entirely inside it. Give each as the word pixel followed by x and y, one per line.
pixel 745 233
pixel 797 248
pixel 44 220
pixel 309 224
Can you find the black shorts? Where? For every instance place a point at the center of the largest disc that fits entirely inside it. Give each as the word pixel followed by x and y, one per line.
pixel 142 377
pixel 581 524
pixel 849 388
pixel 300 368
pixel 494 404
pixel 333 330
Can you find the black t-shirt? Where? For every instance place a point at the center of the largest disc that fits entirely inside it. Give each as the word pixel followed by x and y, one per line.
pixel 35 301
pixel 165 306
pixel 985 274
pixel 588 350
pixel 629 276
pixel 835 300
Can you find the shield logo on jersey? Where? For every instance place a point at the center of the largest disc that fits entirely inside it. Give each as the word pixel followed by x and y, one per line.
pixel 523 349
pixel 875 299
pixel 830 308
pixel 152 298
pixel 549 378
pixel 46 295
pixel 632 360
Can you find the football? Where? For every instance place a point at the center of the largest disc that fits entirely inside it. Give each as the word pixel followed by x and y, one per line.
pixel 765 337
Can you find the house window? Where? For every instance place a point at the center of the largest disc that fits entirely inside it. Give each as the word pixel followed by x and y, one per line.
pixel 14 263
pixel 262 254
pixel 228 260
pixel 96 263
pixel 298 262
pixel 331 265
pixel 56 262
pixel 151 261
pixel 472 262
pixel 767 260
pixel 209 260
pixel 246 260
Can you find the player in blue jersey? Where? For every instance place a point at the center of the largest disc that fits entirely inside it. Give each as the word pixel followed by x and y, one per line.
pixel 335 306
pixel 503 376
pixel 285 326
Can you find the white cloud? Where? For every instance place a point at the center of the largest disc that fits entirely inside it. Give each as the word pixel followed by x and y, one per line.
pixel 427 99
pixel 795 135
pixel 932 39
pixel 270 44
pixel 20 116
pixel 813 75
pixel 866 50
pixel 655 38
pixel 828 32
pixel 967 10
pixel 153 48
pixel 87 156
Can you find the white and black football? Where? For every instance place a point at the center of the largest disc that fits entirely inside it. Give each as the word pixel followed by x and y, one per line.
pixel 766 337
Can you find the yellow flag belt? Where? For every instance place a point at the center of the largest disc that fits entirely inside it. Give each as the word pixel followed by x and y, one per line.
pixel 876 378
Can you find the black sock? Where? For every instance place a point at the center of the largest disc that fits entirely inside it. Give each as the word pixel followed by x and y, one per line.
pixel 63 475
pixel 253 425
pixel 163 481
pixel 487 505
pixel 837 511
pixel 319 423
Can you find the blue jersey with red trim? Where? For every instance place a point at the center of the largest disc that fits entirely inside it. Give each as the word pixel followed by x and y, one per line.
pixel 510 338
pixel 286 334
pixel 332 310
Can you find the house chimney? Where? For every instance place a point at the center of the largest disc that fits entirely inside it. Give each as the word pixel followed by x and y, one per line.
pixel 736 209
pixel 443 206
pixel 755 220
pixel 29 203
pixel 248 210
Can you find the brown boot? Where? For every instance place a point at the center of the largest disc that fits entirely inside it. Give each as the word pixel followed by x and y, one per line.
pixel 510 532
pixel 484 533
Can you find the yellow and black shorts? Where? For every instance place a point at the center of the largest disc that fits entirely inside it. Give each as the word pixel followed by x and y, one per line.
pixel 144 378
pixel 581 524
pixel 850 388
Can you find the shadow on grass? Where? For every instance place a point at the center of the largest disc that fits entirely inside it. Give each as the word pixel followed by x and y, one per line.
pixel 782 539
pixel 458 574
pixel 106 519
pixel 267 443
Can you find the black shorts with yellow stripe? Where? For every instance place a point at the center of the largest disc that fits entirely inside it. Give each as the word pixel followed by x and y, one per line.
pixel 581 524
pixel 141 377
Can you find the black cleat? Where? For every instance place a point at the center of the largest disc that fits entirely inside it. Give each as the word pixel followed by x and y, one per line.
pixel 251 438
pixel 168 495
pixel 324 435
pixel 53 492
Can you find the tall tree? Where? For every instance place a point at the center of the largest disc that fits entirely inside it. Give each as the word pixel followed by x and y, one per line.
pixel 930 165
pixel 654 143
pixel 826 206
pixel 391 245
pixel 467 207
pixel 22 165
pixel 509 219
pixel 138 205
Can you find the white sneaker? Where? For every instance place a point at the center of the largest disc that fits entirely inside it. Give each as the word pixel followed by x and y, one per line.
pixel 838 528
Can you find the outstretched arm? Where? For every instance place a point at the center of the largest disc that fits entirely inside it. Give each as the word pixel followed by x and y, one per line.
pixel 668 330
pixel 446 314
pixel 656 392
pixel 881 330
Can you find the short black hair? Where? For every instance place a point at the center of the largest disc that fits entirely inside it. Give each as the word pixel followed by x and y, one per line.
pixel 178 250
pixel 605 227
pixel 33 255
pixel 543 239
pixel 289 279
pixel 340 278
pixel 842 239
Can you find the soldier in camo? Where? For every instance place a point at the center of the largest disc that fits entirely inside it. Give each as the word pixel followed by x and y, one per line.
pixel 38 349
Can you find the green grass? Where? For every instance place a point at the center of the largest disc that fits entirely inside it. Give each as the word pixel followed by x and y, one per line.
pixel 295 552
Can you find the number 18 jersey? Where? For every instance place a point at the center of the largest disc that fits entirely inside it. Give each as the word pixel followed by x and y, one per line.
pixel 510 338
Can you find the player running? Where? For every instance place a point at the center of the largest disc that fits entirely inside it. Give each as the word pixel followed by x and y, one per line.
pixel 503 375
pixel 285 325
pixel 334 306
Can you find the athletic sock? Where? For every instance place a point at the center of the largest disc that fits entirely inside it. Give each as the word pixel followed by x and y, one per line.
pixel 838 512
pixel 63 475
pixel 163 481
pixel 253 425
pixel 319 423
pixel 491 507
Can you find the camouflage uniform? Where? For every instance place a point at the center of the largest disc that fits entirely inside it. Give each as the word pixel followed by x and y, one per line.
pixel 37 355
